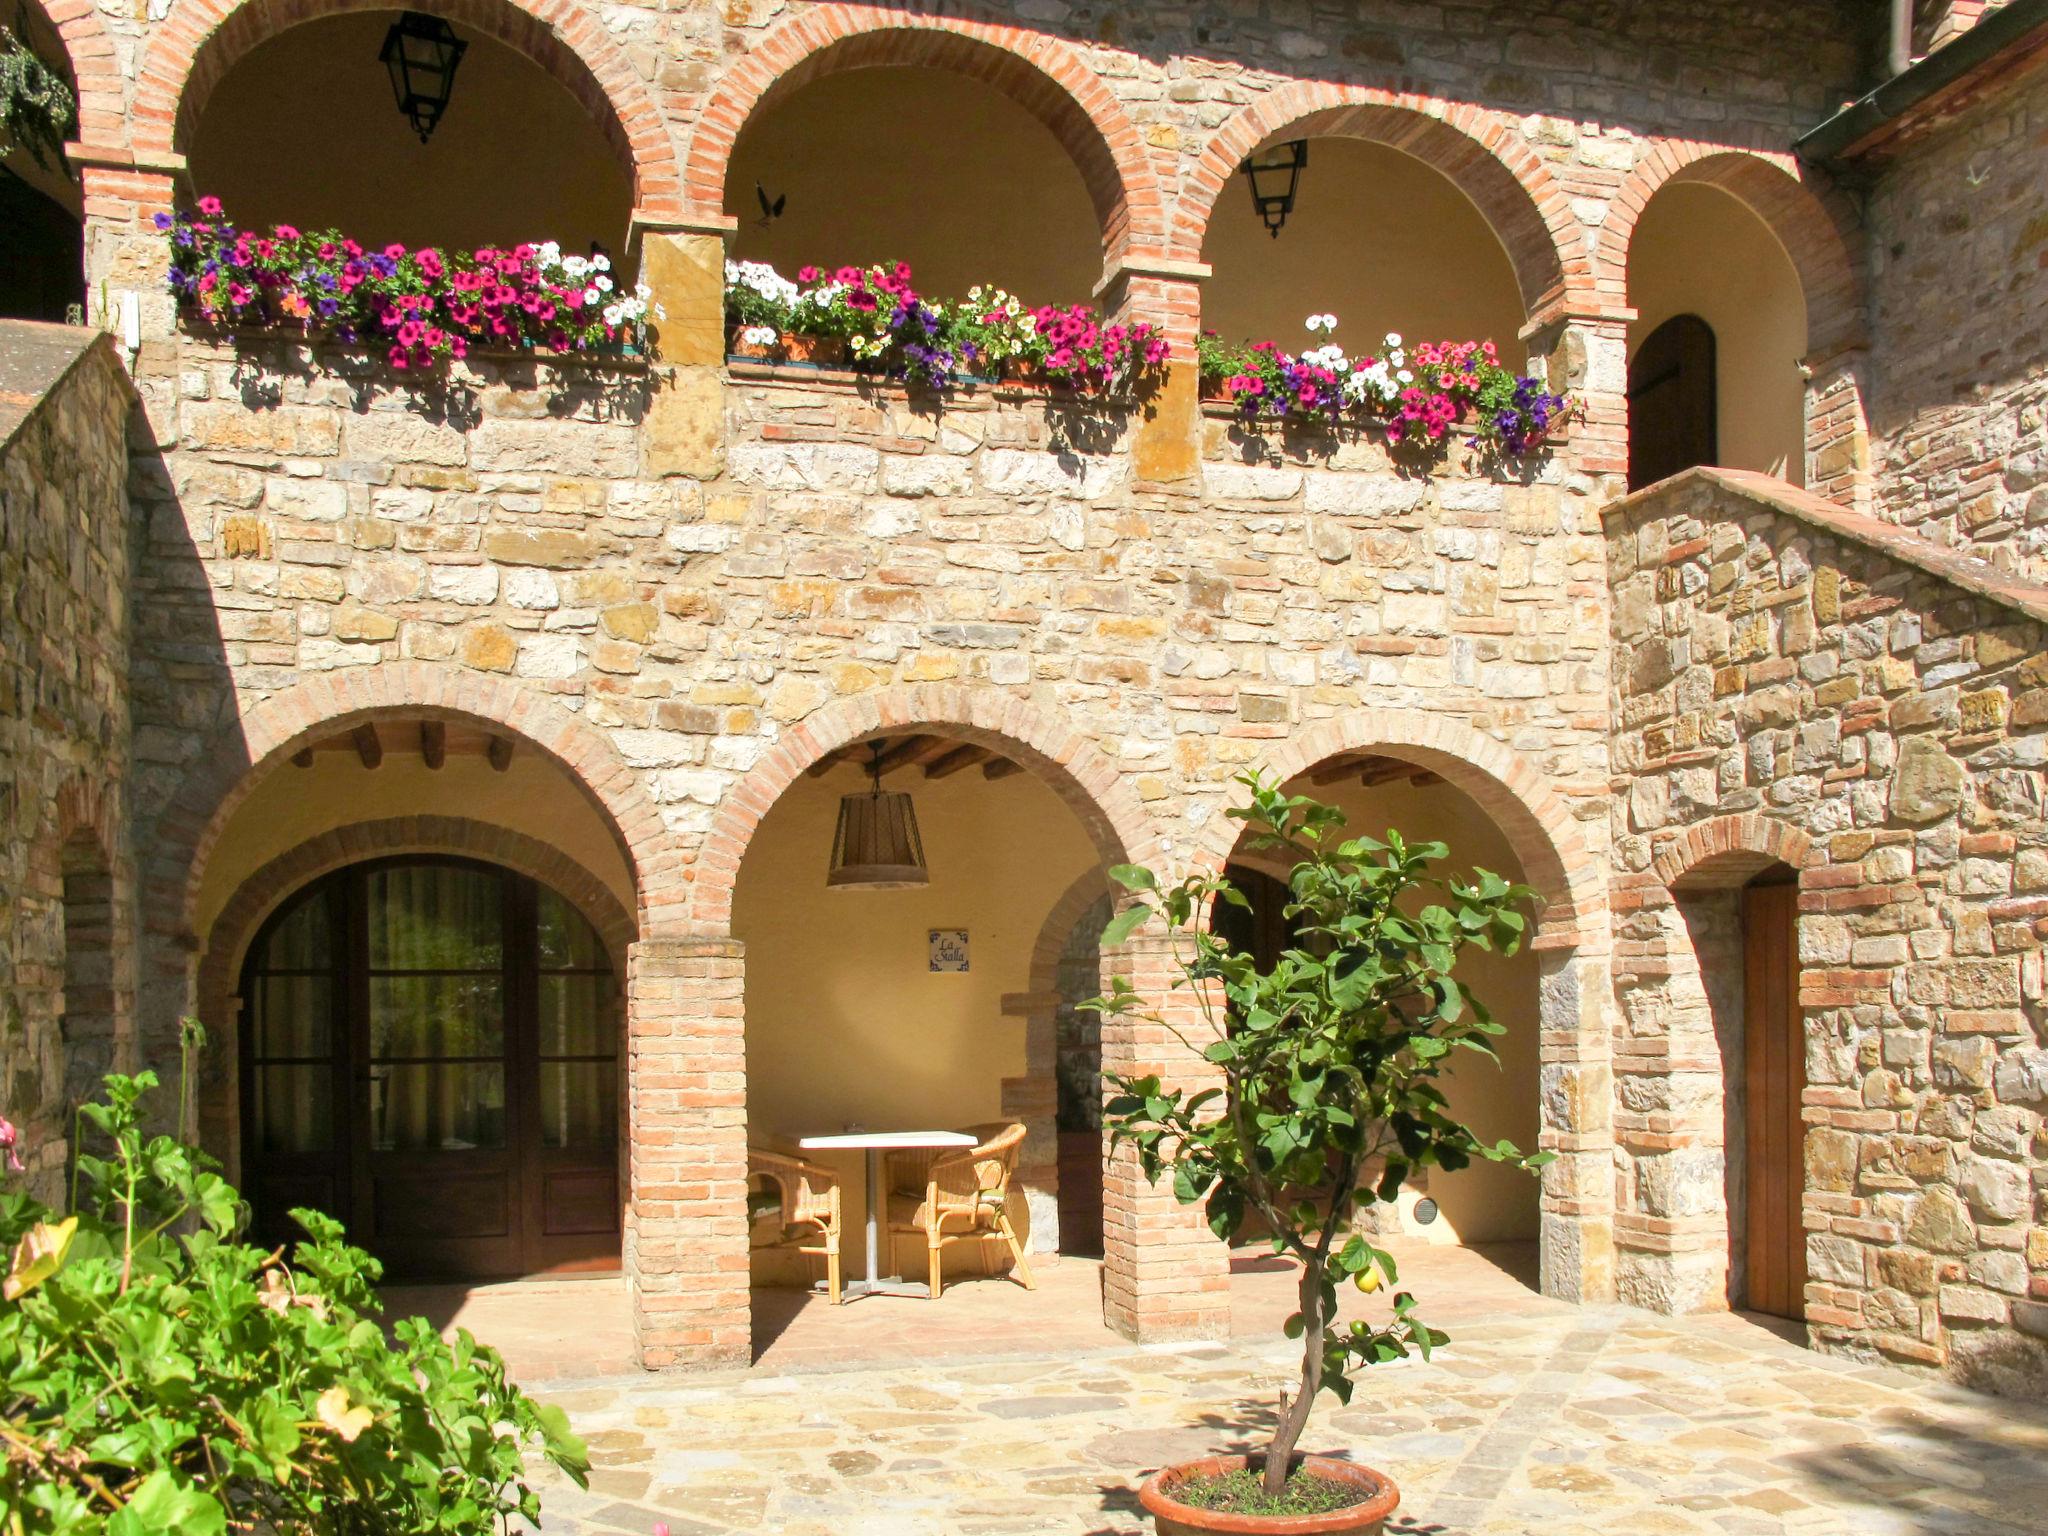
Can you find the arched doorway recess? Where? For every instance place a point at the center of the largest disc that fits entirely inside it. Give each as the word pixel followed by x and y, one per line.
pixel 430 1050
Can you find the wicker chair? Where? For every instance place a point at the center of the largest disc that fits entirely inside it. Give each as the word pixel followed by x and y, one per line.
pixel 954 1195
pixel 799 1200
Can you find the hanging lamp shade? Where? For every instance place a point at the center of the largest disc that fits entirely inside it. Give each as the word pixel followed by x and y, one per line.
pixel 421 53
pixel 876 846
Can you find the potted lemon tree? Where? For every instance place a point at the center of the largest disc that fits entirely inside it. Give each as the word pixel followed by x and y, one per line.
pixel 1328 1098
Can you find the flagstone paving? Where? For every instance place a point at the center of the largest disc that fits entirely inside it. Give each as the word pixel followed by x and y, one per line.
pixel 1538 1417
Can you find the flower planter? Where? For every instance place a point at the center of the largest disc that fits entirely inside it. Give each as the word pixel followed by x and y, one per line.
pixel 819 351
pixel 738 344
pixel 1378 1498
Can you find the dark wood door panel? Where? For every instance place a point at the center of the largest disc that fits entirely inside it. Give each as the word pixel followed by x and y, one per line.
pixel 1775 1133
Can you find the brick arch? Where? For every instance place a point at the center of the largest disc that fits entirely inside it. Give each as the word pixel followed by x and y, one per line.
pixel 1537 822
pixel 1728 850
pixel 1100 797
pixel 263 892
pixel 1478 151
pixel 89 811
pixel 1813 221
pixel 235 927
pixel 95 69
pixel 241 753
pixel 191 53
pixel 1046 77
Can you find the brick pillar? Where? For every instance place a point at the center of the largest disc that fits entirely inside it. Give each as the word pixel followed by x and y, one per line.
pixel 1585 354
pixel 1034 1099
pixel 684 265
pixel 1837 437
pixel 1164 1276
pixel 1167 449
pixel 1577 1104
pixel 686 1224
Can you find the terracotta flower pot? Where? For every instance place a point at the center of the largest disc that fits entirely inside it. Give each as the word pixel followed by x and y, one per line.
pixel 824 351
pixel 1378 1498
pixel 1212 387
pixel 737 345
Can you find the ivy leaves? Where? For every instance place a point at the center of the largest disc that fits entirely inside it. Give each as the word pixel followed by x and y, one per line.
pixel 157 1375
pixel 37 109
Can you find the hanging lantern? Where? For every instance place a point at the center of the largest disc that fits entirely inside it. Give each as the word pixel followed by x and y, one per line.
pixel 1274 178
pixel 421 52
pixel 876 846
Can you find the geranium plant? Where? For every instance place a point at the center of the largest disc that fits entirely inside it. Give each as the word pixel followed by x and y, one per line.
pixel 1419 395
pixel 420 306
pixel 889 327
pixel 1330 1065
pixel 161 1377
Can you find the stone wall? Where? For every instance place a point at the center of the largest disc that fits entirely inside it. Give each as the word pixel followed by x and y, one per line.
pixel 1959 297
pixel 1802 686
pixel 65 874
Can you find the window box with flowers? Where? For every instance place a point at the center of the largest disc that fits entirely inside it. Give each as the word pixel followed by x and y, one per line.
pixel 1419 396
pixel 418 308
pixel 874 320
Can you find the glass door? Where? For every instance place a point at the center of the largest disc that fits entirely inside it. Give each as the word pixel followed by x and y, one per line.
pixel 431 1053
pixel 439 1100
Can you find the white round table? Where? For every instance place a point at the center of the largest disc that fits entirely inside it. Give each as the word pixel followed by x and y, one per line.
pixel 874 1144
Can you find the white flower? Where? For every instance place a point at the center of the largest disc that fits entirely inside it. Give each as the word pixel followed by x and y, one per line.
pixel 1322 322
pixel 1405 376
pixel 1393 338
pixel 591 296
pixel 549 252
pixel 601 284
pixel 601 262
pixel 576 266
pixel 611 314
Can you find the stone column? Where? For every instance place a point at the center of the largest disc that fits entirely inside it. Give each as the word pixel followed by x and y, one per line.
pixel 686 1224
pixel 1584 353
pixel 1577 1085
pixel 1034 1099
pixel 683 263
pixel 1837 436
pixel 1164 1275
pixel 1167 447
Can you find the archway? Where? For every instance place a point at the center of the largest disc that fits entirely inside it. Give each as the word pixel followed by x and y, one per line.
pixel 1493 1209
pixel 42 209
pixel 1043 78
pixel 428 1048
pixel 1711 1156
pixel 1380 238
pixel 838 172
pixel 1701 263
pixel 1499 175
pixel 516 156
pixel 1570 949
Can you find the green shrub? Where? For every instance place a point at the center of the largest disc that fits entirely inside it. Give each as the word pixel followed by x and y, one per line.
pixel 158 1375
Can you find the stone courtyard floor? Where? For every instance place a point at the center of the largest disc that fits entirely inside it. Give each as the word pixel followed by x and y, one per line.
pixel 1025 1415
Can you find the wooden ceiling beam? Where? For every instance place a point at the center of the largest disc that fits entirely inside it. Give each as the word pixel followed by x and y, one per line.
pixel 1000 768
pixel 368 747
pixel 303 758
pixel 905 749
pixel 433 743
pixel 965 755
pixel 1336 770
pixel 501 752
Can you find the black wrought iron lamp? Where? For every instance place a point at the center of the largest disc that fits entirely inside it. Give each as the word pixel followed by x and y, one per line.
pixel 1275 175
pixel 421 52
pixel 876 846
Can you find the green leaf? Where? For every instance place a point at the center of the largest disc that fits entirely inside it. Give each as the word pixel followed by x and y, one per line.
pixel 1134 877
pixel 1124 924
pixel 166 1504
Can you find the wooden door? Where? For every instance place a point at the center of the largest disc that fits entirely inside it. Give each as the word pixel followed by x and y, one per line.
pixel 1672 405
pixel 440 1097
pixel 431 1054
pixel 1774 1135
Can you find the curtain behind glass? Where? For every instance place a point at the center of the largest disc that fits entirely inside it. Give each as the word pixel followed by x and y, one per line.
pixel 437 1007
